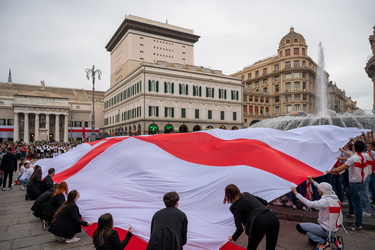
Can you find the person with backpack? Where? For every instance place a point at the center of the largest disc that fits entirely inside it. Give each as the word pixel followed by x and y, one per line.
pixel 329 218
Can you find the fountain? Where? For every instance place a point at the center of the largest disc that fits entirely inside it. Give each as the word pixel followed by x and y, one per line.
pixel 357 119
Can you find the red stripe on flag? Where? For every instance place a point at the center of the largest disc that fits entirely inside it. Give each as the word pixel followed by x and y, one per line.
pixel 86 159
pixel 205 149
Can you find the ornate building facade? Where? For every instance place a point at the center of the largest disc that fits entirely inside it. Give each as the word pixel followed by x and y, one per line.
pixel 163 91
pixel 40 113
pixel 370 66
pixel 284 83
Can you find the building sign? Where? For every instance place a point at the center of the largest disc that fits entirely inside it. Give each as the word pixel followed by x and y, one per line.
pixel 222 127
pixel 153 128
pixel 234 128
pixel 168 128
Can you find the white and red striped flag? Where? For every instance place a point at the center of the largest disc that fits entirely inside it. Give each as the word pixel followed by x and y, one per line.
pixel 128 176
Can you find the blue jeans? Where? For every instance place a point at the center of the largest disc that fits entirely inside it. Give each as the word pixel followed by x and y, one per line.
pixel 24 182
pixel 316 232
pixel 338 186
pixel 356 189
pixel 365 195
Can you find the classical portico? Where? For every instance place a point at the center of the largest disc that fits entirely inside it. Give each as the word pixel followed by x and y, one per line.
pixel 40 116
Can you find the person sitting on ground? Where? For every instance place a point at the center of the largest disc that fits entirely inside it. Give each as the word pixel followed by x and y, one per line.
pixel 107 238
pixel 24 179
pixel 42 201
pixel 329 218
pixel 33 186
pixel 58 198
pixel 47 182
pixel 66 222
pixel 168 225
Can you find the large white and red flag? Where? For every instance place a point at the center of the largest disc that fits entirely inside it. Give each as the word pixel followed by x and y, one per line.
pixel 128 176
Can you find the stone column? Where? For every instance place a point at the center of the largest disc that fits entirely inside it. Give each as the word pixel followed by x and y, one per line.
pixel 57 126
pixel 47 126
pixel 16 131
pixel 36 127
pixel 66 138
pixel 26 129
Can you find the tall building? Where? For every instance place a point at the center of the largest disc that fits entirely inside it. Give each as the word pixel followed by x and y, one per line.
pixel 370 66
pixel 156 88
pixel 32 113
pixel 281 84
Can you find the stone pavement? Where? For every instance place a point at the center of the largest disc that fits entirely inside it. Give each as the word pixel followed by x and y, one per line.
pixel 19 229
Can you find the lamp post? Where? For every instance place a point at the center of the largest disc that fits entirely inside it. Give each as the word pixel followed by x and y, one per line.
pixel 93 72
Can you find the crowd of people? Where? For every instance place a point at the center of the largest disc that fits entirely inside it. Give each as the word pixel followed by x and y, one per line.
pixel 351 181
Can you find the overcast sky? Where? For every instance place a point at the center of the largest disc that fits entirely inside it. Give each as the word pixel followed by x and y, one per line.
pixel 56 41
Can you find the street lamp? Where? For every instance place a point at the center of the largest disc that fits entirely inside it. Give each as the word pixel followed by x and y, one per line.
pixel 92 72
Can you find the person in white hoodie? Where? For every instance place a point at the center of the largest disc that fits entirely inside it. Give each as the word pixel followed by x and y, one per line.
pixel 329 218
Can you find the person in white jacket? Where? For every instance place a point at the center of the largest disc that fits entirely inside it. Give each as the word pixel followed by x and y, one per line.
pixel 329 218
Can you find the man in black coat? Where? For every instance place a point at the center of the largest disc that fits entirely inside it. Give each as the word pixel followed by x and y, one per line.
pixel 168 226
pixel 47 183
pixel 8 165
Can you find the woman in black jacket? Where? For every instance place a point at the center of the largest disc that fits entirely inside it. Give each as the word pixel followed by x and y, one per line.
pixel 58 198
pixel 67 220
pixel 250 212
pixel 33 186
pixel 106 238
pixel 41 202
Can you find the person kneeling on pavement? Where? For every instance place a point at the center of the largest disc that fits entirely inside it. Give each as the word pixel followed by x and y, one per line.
pixel 329 218
pixel 67 220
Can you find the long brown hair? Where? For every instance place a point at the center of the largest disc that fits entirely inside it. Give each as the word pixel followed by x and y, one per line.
pixel 71 197
pixel 232 193
pixel 37 171
pixel 61 188
pixel 105 226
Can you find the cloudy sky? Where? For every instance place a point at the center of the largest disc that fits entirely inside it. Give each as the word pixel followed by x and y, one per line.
pixel 56 41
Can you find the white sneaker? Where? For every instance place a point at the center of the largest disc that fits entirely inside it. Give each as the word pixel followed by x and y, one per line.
pixel 295 207
pixel 4 189
pixel 304 208
pixel 364 214
pixel 72 240
pixel 22 187
pixel 277 202
pixel 289 204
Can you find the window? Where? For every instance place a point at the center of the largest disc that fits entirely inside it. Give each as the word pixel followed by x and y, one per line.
pixel 277 88
pixel 288 85
pixel 277 109
pixel 303 75
pixel 303 63
pixel 234 95
pixel 183 89
pixel 209 114
pixel 234 116
pixel 288 76
pixel 287 52
pixel 287 64
pixel 153 86
pixel 183 112
pixel 257 73
pixel 257 83
pixel 277 99
pixel 209 92
pixel 297 97
pixel 249 76
pixel 303 85
pixel 265 90
pixel 168 87
pixel 276 78
pixel 153 111
pixel 288 108
pixel 196 113
pixel 222 117
pixel 3 122
pixel 250 85
pixel 303 51
pixel 242 78
pixel 197 91
pixel 296 63
pixel 265 81
pixel 264 71
pixel 297 107
pixel 297 85
pixel 222 94
pixel 296 74
pixel 296 51
pixel 168 112
pixel 276 67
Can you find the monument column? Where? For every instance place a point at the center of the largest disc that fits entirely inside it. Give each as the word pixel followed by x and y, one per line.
pixel 57 128
pixel 66 139
pixel 26 129
pixel 16 131
pixel 47 126
pixel 36 127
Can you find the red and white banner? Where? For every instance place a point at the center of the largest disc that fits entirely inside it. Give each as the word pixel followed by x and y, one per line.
pixel 81 132
pixel 128 176
pixel 6 132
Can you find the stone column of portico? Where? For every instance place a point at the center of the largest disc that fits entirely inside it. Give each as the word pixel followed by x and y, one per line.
pixel 36 127
pixel 66 139
pixel 26 135
pixel 47 126
pixel 57 128
pixel 16 132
